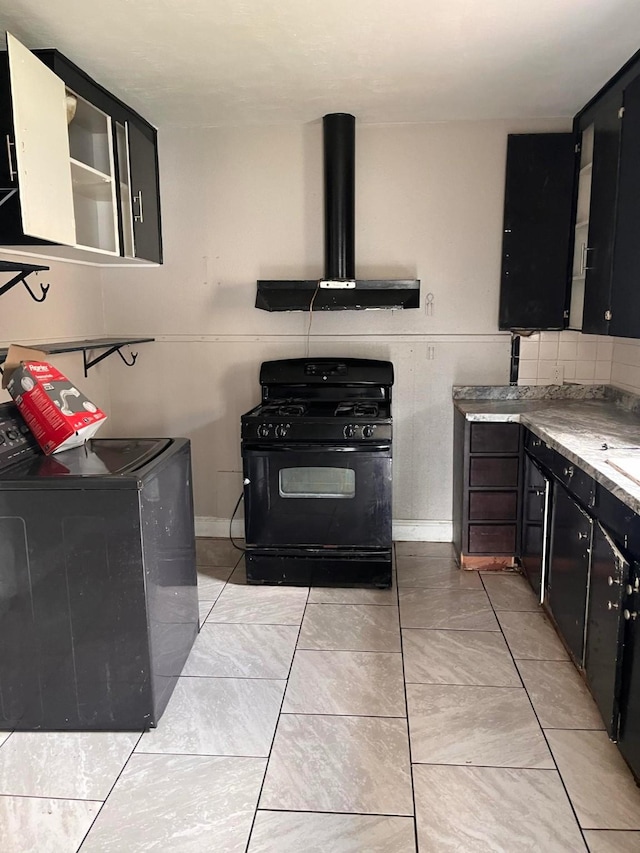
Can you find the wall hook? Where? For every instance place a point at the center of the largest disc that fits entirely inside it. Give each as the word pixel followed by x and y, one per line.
pixel 44 289
pixel 134 357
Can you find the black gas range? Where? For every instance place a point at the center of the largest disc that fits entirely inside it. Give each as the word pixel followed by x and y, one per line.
pixel 317 457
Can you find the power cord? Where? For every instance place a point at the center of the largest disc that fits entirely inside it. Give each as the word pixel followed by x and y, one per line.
pixel 233 515
pixel 313 299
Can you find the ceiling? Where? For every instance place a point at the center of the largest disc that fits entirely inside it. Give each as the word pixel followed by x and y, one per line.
pixel 247 62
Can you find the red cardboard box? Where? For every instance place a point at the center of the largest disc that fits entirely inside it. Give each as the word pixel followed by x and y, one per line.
pixel 56 412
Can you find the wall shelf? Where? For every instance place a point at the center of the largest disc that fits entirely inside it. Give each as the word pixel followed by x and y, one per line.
pixel 109 345
pixel 23 271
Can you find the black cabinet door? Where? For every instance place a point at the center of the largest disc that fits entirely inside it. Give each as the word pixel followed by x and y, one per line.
pixel 625 293
pixel 535 501
pixel 605 626
pixel 569 570
pixel 602 214
pixel 537 226
pixel 145 190
pixel 629 737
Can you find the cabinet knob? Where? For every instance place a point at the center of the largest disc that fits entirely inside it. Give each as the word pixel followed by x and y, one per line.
pixel 611 581
pixel 629 615
pixel 584 536
pixel 612 606
pixel 569 471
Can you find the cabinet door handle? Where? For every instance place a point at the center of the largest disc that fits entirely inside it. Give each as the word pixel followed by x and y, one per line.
pixel 139 216
pixel 583 259
pixel 13 173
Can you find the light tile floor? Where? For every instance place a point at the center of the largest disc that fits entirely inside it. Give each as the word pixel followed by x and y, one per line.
pixel 441 715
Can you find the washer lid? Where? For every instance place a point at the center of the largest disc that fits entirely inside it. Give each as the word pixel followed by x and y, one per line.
pixel 99 457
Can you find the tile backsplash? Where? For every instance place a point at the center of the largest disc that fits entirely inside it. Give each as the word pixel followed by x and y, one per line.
pixel 585 359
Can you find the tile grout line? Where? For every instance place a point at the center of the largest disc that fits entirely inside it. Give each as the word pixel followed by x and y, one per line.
pixel 275 730
pixel 524 686
pixel 104 802
pixel 406 702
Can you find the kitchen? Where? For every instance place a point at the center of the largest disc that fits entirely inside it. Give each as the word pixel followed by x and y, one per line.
pixel 242 201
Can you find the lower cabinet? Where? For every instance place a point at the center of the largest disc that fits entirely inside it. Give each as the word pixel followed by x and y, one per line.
pixel 486 492
pixel 571 533
pixel 536 495
pixel 579 547
pixel 608 577
pixel 592 586
pixel 629 737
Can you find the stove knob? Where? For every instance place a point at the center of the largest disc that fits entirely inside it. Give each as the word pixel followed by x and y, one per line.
pixel 263 431
pixel 349 431
pixel 367 431
pixel 282 430
pixel 12 434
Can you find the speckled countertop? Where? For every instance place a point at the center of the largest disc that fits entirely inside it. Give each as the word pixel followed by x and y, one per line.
pixel 586 428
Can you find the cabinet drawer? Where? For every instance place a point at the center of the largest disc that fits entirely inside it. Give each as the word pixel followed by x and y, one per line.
pixel 492 538
pixel 493 506
pixel 495 438
pixel 578 482
pixel 493 471
pixel 540 451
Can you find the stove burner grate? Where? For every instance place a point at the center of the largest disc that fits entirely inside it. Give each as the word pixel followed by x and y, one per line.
pixel 357 410
pixel 285 410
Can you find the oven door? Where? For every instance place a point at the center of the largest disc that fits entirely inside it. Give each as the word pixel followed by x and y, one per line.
pixel 314 495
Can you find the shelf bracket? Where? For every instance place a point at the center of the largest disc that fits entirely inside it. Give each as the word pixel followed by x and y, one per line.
pixel 91 362
pixel 21 278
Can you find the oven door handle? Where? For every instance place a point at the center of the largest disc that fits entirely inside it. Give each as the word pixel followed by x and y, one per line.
pixel 317 448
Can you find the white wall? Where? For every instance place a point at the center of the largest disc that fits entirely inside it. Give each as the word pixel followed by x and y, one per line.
pixel 72 310
pixel 243 204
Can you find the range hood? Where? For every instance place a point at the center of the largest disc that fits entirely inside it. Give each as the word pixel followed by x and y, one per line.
pixel 339 289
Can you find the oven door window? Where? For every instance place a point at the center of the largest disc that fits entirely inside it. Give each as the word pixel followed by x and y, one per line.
pixel 317 482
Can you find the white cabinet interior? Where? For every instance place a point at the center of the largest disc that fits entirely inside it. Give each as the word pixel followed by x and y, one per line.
pixel 92 176
pixel 581 243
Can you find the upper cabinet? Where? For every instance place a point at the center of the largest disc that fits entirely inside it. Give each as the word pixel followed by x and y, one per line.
pixel 537 225
pixel 80 175
pixel 606 254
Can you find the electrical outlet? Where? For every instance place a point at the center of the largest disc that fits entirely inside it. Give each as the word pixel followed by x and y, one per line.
pixel 557 374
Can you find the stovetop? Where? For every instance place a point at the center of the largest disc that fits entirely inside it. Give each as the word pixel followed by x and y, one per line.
pixel 371 410
pixel 319 420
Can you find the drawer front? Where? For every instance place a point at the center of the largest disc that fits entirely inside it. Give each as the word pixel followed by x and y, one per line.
pixel 621 521
pixel 493 471
pixel 492 538
pixel 493 506
pixel 578 482
pixel 495 438
pixel 540 451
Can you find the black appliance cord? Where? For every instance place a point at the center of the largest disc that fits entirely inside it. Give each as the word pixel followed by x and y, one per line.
pixel 233 515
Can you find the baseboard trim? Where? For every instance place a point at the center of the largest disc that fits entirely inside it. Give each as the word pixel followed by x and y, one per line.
pixel 412 530
pixel 404 530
